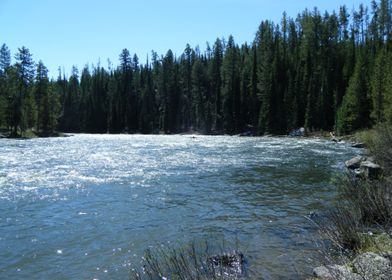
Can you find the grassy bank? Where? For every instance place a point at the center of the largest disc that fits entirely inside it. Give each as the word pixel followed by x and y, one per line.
pixel 361 220
pixel 193 261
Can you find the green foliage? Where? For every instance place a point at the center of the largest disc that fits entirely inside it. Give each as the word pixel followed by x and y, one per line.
pixel 363 205
pixel 319 71
pixel 265 87
pixel 379 85
pixel 23 110
pixel 354 112
pixel 380 146
pixel 231 88
pixel 379 242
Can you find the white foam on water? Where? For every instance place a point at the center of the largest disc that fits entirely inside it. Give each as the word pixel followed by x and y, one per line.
pixel 44 168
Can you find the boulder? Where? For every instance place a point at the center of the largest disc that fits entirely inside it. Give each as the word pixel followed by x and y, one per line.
pixel 297 132
pixel 230 263
pixel 370 169
pixel 354 163
pixel 358 145
pixel 373 266
pixel 387 255
pixel 371 158
pixel 246 133
pixel 335 272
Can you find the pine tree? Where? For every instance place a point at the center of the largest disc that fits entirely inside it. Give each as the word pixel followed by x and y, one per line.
pixel 169 95
pixel 52 106
pixel 148 106
pixel 5 62
pixel 23 109
pixel 97 105
pixel 265 76
pixel 199 93
pixel 41 93
pixel 124 99
pixel 216 85
pixel 387 96
pixel 70 121
pixel 187 113
pixel 379 85
pixel 354 112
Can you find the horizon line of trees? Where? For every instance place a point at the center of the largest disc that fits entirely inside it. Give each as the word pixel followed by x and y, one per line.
pixel 318 71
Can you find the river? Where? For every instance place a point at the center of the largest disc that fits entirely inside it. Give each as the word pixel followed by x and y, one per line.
pixel 88 206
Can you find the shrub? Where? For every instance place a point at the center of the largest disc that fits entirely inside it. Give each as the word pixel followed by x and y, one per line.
pixel 189 262
pixel 370 199
pixel 380 146
pixel 362 206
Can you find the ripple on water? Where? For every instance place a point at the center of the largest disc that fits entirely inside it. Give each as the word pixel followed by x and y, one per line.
pixel 69 204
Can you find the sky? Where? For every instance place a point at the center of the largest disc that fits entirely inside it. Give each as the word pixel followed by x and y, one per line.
pixel 63 33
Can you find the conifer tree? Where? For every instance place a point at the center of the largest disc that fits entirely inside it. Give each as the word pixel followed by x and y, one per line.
pixel 379 85
pixel 216 85
pixel 23 111
pixel 70 120
pixel 265 76
pixel 231 88
pixel 5 62
pixel 41 93
pixel 354 112
pixel 125 90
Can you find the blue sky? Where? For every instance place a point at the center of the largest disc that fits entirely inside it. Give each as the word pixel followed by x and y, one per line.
pixel 75 32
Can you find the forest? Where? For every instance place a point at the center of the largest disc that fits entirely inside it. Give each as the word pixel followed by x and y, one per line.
pixel 322 71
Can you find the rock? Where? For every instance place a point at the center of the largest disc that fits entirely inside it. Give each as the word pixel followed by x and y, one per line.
pixel 335 272
pixel 373 266
pixel 336 140
pixel 370 169
pixel 358 145
pixel 313 215
pixel 387 255
pixel 297 132
pixel 372 159
pixel 354 163
pixel 246 133
pixel 230 264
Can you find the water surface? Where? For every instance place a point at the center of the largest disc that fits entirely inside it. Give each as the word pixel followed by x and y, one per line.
pixel 88 206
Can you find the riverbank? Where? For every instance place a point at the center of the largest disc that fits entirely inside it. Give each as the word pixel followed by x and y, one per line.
pixel 30 134
pixel 359 228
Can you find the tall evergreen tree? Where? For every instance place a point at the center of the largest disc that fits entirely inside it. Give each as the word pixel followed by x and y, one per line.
pixel 23 111
pixel 265 76
pixel 216 85
pixel 317 71
pixel 148 104
pixel 70 120
pixel 5 62
pixel 41 93
pixel 354 112
pixel 124 100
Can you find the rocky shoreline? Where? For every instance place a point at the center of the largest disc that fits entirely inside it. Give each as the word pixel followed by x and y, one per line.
pixel 364 265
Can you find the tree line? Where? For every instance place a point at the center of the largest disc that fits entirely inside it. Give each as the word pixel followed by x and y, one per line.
pixel 330 71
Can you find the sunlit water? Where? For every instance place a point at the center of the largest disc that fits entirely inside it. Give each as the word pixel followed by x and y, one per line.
pixel 88 206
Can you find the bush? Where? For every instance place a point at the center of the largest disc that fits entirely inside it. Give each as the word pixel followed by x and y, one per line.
pixel 342 229
pixel 189 262
pixel 380 146
pixel 370 199
pixel 362 206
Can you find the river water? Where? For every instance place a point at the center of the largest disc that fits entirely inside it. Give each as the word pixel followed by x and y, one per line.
pixel 88 206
